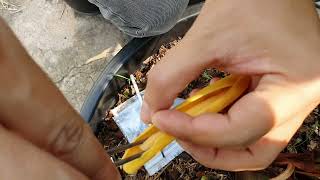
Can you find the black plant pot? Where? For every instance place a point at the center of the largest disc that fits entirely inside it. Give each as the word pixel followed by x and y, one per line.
pixel 83 6
pixel 192 2
pixel 103 95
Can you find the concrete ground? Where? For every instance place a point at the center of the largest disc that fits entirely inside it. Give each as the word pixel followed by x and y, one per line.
pixel 61 42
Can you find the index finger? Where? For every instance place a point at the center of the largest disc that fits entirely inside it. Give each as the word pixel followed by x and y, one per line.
pixel 247 120
pixel 272 103
pixel 256 156
pixel 171 75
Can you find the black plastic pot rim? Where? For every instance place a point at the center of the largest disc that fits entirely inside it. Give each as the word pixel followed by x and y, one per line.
pixel 134 46
pixel 97 91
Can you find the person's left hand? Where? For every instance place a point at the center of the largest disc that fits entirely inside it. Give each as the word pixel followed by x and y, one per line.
pixel 41 135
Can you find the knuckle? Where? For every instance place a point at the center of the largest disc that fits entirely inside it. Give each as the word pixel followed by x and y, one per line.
pixel 184 137
pixel 244 138
pixel 157 80
pixel 67 137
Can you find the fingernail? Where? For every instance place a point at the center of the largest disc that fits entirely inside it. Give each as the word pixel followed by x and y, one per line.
pixel 145 113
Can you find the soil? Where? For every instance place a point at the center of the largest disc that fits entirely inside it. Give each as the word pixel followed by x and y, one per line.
pixel 184 167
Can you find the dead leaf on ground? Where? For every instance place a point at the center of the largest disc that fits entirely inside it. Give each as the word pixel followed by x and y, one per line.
pixel 105 53
pixel 305 162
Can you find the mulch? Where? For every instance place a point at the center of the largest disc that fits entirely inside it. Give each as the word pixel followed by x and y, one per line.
pixel 307 139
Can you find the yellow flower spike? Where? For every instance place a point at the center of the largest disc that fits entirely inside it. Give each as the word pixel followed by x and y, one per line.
pixel 207 92
pixel 160 141
pixel 213 98
pixel 220 101
pixel 151 130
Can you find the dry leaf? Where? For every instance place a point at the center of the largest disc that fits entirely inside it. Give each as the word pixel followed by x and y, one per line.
pixel 286 174
pixel 111 50
pixel 307 162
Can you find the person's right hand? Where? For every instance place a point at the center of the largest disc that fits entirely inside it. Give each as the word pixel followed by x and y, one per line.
pixel 277 44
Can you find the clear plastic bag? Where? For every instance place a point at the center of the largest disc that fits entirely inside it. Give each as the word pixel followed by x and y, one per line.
pixel 127 117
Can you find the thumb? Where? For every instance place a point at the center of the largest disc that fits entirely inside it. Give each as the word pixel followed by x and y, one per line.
pixel 180 66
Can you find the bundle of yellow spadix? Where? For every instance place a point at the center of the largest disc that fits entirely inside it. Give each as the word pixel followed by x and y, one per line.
pixel 213 98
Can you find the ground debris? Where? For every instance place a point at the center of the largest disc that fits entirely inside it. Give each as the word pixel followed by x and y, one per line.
pixel 10 7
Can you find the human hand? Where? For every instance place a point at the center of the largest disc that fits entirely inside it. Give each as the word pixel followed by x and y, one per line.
pixel 274 42
pixel 41 135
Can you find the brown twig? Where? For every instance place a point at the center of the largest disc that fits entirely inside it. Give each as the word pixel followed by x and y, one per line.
pixel 131 158
pixel 123 147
